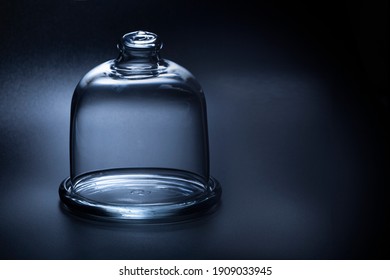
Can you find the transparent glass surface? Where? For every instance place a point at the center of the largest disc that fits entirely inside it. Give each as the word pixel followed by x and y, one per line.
pixel 138 139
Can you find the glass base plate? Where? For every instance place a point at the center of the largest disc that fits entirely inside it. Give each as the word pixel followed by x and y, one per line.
pixel 143 195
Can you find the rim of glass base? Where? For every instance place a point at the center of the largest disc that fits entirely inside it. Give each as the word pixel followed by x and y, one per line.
pixel 179 210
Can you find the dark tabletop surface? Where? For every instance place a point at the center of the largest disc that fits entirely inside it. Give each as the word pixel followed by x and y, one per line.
pixel 297 107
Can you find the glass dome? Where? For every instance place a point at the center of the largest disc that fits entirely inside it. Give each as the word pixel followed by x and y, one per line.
pixel 138 139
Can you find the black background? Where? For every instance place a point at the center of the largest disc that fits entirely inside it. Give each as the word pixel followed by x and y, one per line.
pixel 297 98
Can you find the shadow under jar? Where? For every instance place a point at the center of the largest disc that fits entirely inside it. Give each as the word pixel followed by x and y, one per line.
pixel 138 139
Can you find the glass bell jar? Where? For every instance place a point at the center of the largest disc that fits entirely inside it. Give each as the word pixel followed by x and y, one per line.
pixel 138 139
